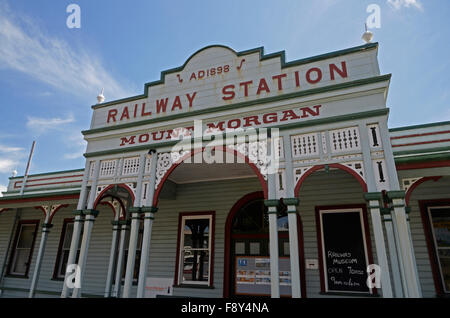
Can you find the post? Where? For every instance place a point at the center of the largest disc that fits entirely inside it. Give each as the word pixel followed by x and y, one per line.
pixel 149 216
pixel 78 223
pixel 292 204
pixel 27 170
pixel 37 269
pixel 398 289
pixel 118 280
pixel 374 199
pixel 112 256
pixel 134 234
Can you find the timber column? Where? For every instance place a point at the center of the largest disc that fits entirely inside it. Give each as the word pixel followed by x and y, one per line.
pixel 112 256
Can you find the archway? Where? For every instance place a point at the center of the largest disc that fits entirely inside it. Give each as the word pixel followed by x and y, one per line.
pixel 120 193
pixel 194 152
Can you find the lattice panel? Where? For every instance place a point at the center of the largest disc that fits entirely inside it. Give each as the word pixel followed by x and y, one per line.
pixel 107 168
pixel 130 166
pixel 407 183
pixel 91 168
pixel 148 162
pixel 344 140
pixel 305 145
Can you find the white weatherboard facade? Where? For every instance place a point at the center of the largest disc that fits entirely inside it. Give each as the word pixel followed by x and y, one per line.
pixel 152 203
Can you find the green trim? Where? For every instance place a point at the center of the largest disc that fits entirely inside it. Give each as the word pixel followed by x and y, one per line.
pixel 423 158
pixel 45 189
pixel 373 196
pixel 115 223
pixel 385 211
pixel 291 201
pixel 421 151
pixel 396 194
pixel 47 225
pixel 262 57
pixel 39 195
pixel 134 210
pixel 124 222
pixel 91 212
pixel 442 123
pixel 149 218
pixel 312 91
pixel 78 212
pixel 313 122
pixel 271 203
pixel 151 209
pixel 47 173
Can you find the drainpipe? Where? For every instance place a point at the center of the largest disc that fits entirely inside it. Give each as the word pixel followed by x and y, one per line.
pixel 5 260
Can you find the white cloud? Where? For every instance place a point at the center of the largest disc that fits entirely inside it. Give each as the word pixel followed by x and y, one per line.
pixel 2 189
pixel 398 4
pixel 78 143
pixel 40 125
pixel 24 47
pixel 7 165
pixel 7 149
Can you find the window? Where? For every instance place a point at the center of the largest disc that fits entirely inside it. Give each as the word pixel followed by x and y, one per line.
pixel 64 249
pixel 195 252
pixel 439 220
pixel 23 248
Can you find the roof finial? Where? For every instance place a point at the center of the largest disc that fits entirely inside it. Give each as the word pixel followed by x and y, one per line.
pixel 367 36
pixel 100 97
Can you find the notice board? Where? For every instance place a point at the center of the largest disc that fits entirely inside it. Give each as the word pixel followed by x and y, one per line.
pixel 344 251
pixel 252 276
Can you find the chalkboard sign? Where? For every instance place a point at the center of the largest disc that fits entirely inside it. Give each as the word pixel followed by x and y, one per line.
pixel 344 251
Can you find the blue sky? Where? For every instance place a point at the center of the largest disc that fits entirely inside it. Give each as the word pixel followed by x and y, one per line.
pixel 50 75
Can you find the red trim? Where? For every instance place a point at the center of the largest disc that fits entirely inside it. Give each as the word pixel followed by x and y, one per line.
pixel 3 210
pixel 421 135
pixel 212 235
pixel 51 198
pixel 415 185
pixel 319 237
pixel 43 179
pixel 60 245
pixel 332 165
pixel 56 210
pixel 421 143
pixel 13 251
pixel 424 205
pixel 40 207
pixel 121 185
pixel 110 205
pixel 423 165
pixel 198 150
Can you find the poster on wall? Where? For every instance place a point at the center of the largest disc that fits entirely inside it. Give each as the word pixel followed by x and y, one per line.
pixel 252 276
pixel 158 286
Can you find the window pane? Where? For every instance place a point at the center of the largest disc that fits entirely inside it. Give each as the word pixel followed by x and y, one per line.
pixel 26 236
pixel 196 233
pixel 21 261
pixel 196 265
pixel 68 235
pixel 440 218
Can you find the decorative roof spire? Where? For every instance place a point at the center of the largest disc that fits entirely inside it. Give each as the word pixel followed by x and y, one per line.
pixel 367 36
pixel 100 97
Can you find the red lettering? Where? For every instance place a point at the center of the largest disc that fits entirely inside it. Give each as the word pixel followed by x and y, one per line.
pixel 176 103
pixel 193 77
pixel 228 90
pixel 342 72
pixel 191 98
pixel 289 114
pixel 135 110
pixel 125 140
pixel 297 79
pixel 144 138
pixel 237 125
pixel 125 113
pixel 160 137
pixel 213 127
pixel 279 78
pixel 112 115
pixel 161 105
pixel 201 74
pixel 270 118
pixel 251 119
pixel 262 86
pixel 246 84
pixel 308 110
pixel 319 75
pixel 143 113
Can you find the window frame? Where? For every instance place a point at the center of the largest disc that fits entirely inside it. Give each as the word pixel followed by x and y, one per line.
pixel 10 273
pixel 424 206
pixel 211 215
pixel 59 254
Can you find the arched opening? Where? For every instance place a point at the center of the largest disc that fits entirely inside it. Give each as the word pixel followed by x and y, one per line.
pixel 118 196
pixel 247 244
pixel 212 167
